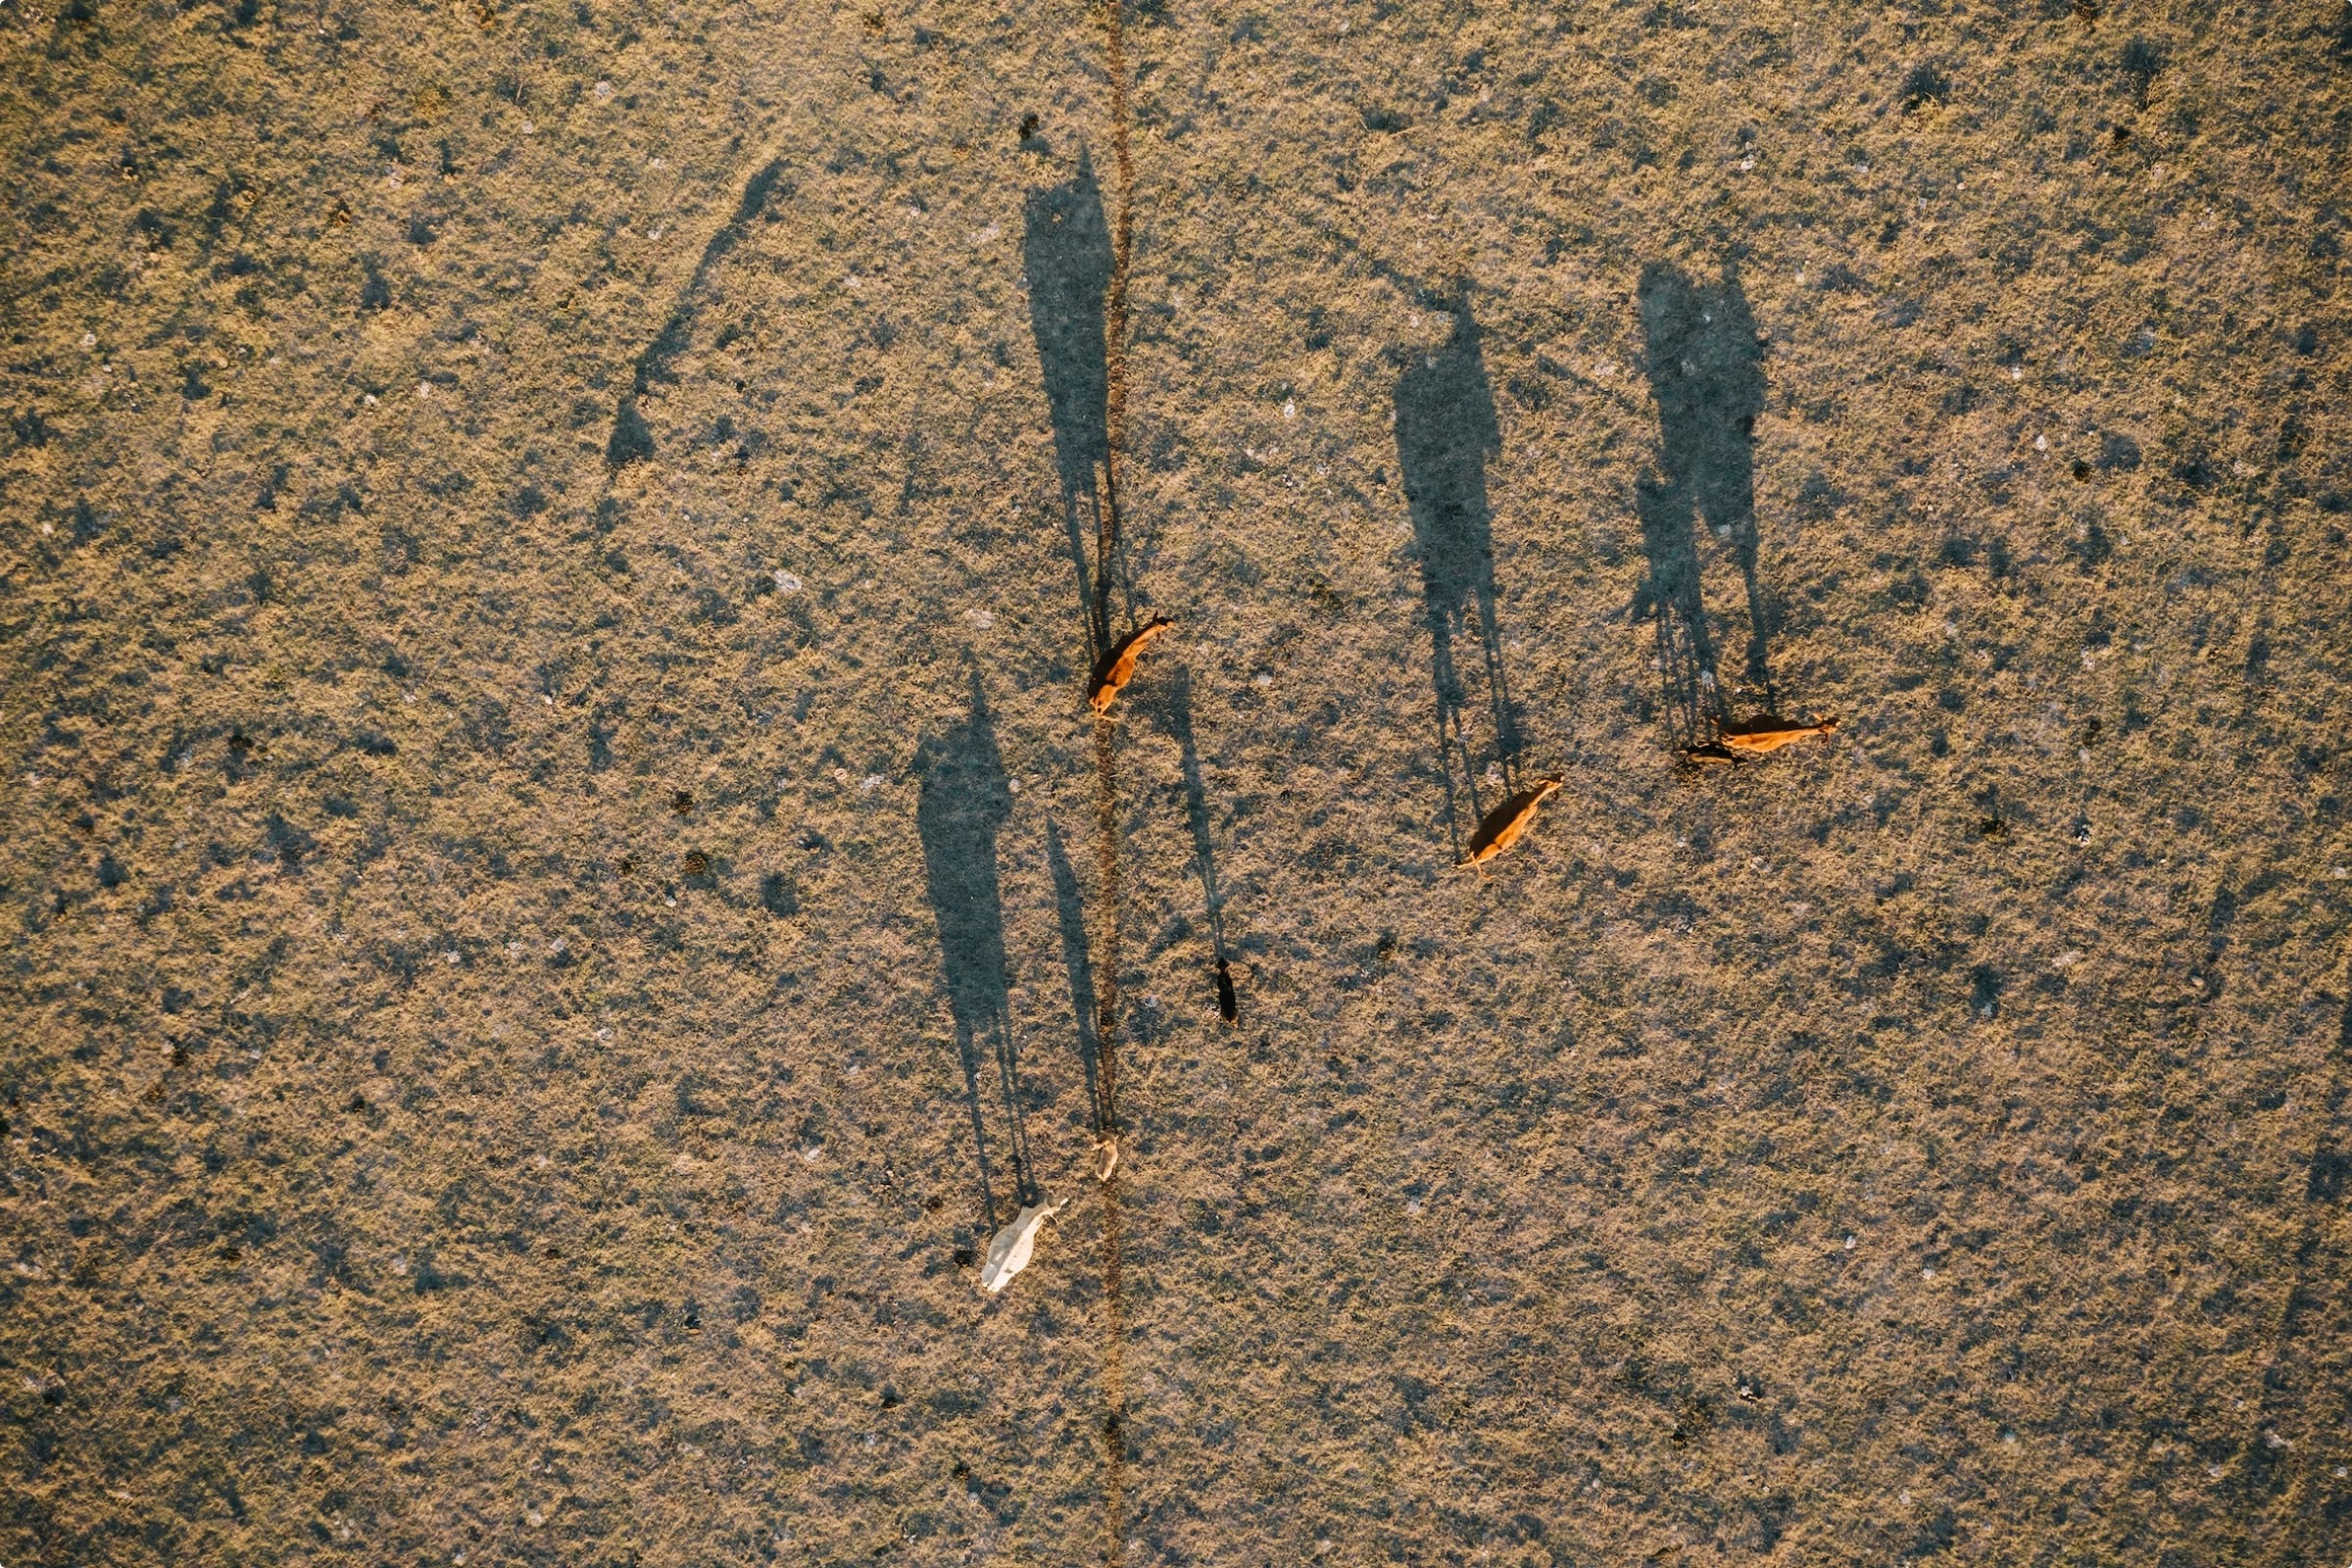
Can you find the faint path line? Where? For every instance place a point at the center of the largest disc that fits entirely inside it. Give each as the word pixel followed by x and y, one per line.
pixel 1106 1019
pixel 1106 790
pixel 2283 1485
pixel 2268 1484
pixel 1114 305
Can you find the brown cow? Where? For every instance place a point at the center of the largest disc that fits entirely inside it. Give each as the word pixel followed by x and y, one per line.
pixel 1768 732
pixel 1504 825
pixel 1119 669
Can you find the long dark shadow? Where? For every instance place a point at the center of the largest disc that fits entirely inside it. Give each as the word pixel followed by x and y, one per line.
pixel 1446 431
pixel 632 441
pixel 1706 371
pixel 964 800
pixel 1067 253
pixel 1078 960
pixel 1174 714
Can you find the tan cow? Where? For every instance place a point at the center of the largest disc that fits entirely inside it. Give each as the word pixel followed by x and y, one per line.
pixel 1119 669
pixel 1768 732
pixel 1504 825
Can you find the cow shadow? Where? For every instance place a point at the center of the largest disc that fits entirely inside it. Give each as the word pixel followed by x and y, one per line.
pixel 1706 372
pixel 966 800
pixel 1067 253
pixel 1446 433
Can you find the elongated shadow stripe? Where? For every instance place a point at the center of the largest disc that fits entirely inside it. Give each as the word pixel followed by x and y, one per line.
pixel 1706 372
pixel 966 799
pixel 632 441
pixel 1446 433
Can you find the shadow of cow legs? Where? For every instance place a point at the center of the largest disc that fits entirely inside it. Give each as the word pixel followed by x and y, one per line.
pixel 1173 712
pixel 1077 958
pixel 965 802
pixel 1670 593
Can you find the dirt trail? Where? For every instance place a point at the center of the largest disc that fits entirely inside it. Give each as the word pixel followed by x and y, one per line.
pixel 1109 910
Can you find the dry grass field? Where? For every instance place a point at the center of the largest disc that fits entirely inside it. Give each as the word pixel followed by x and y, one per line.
pixel 557 882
